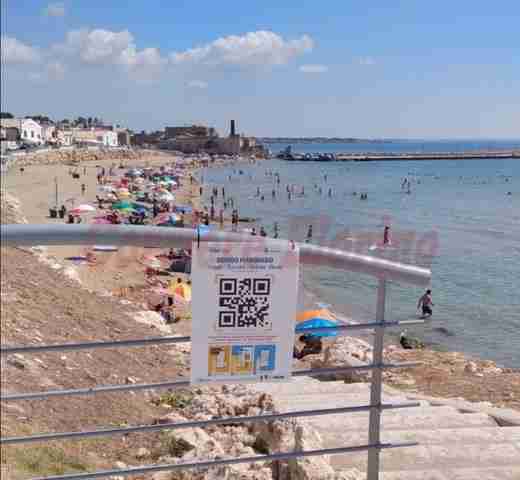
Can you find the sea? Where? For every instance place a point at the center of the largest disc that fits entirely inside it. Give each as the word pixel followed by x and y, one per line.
pixel 459 218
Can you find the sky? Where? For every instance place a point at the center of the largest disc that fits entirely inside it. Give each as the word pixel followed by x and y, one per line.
pixel 371 69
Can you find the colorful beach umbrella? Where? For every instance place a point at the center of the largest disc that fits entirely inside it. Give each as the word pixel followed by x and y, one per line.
pixel 182 289
pixel 121 205
pixel 317 323
pixel 315 313
pixel 83 209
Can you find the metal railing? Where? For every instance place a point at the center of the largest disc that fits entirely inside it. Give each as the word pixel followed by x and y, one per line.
pixel 383 270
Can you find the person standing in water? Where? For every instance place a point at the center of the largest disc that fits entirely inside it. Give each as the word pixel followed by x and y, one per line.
pixel 386 236
pixel 275 230
pixel 426 303
pixel 309 233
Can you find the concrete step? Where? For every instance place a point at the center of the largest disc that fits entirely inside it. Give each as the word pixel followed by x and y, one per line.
pixel 304 401
pixel 300 385
pixel 442 436
pixel 436 457
pixel 414 418
pixel 493 473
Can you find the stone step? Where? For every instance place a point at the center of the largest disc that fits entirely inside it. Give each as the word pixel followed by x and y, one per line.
pixel 332 400
pixel 492 473
pixel 414 418
pixel 300 385
pixel 460 436
pixel 436 457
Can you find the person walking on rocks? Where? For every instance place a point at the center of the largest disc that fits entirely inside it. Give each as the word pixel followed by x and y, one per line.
pixel 426 303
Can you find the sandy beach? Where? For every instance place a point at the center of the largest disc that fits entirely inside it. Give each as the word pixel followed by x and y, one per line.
pixel 35 188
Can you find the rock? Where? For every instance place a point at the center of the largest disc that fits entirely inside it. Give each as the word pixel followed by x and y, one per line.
pixel 131 380
pixel 345 352
pixel 19 361
pixel 170 418
pixel 471 368
pixel 142 453
pixel 309 468
pixel 162 476
pixel 120 465
pixel 352 474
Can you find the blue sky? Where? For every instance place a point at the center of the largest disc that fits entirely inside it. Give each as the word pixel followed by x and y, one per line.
pixel 407 69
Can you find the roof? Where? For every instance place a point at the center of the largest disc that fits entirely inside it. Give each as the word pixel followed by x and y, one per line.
pixel 10 123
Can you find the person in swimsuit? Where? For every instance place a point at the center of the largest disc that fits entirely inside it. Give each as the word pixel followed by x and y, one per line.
pixel 426 303
pixel 386 236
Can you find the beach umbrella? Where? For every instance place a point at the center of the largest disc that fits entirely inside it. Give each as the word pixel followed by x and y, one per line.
pixel 184 208
pixel 121 205
pixel 80 209
pixel 317 323
pixel 177 299
pixel 182 289
pixel 139 208
pixel 166 197
pixel 315 313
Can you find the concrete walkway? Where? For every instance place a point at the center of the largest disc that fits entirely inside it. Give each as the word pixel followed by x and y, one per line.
pixel 458 440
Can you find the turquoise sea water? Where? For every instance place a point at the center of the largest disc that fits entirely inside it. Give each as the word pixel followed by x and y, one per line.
pixel 458 220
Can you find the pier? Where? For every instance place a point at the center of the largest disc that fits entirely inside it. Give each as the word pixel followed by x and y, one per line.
pixel 400 156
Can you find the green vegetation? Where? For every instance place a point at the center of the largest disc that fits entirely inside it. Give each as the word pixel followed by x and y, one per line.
pixel 176 399
pixel 42 460
pixel 171 445
pixel 177 446
pixel 260 446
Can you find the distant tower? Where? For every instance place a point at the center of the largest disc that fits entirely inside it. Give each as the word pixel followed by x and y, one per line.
pixel 233 133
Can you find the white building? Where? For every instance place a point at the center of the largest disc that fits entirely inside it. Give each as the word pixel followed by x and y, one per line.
pixel 65 137
pixel 30 131
pixel 107 137
pixel 9 133
pixel 49 133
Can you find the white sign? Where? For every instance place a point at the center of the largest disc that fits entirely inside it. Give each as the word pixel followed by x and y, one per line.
pixel 243 311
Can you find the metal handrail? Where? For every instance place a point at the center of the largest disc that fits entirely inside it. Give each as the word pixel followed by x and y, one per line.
pixel 186 383
pixel 142 342
pixel 383 270
pixel 27 235
pixel 227 461
pixel 199 423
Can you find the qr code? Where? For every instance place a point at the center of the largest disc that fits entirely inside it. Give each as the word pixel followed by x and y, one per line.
pixel 244 303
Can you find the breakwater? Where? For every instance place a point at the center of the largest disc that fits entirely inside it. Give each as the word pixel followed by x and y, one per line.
pixel 399 156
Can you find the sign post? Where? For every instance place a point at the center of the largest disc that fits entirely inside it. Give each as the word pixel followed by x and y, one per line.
pixel 243 312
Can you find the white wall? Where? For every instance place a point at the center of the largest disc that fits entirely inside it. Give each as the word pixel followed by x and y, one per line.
pixel 31 131
pixel 110 138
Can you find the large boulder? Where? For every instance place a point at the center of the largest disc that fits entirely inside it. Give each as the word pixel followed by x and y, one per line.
pixel 309 468
pixel 345 352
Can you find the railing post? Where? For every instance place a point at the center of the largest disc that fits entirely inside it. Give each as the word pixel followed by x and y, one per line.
pixel 374 437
